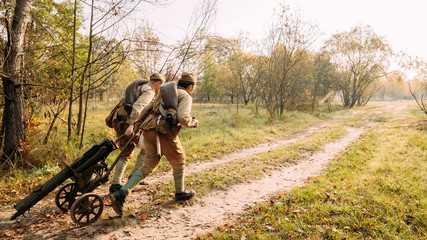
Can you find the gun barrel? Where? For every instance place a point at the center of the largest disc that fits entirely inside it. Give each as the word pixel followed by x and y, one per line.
pixel 93 156
pixel 41 192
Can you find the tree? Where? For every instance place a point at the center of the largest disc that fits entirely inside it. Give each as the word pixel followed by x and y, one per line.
pixel 325 79
pixel 361 58
pixel 147 51
pixel 421 79
pixel 106 49
pixel 187 53
pixel 206 86
pixel 394 87
pixel 12 77
pixel 245 74
pixel 300 92
pixel 288 44
pixel 51 56
pixel 421 101
pixel 215 80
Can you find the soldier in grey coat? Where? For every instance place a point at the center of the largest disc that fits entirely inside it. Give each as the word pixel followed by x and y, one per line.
pixel 161 139
pixel 138 95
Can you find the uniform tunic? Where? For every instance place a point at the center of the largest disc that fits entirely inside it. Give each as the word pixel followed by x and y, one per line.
pixel 145 95
pixel 170 144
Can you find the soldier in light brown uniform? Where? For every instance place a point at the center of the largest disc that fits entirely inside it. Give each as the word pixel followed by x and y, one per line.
pixel 158 131
pixel 140 93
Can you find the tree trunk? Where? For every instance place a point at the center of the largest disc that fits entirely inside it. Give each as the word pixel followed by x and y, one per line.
pixel 83 77
pixel 13 114
pixel 73 61
pixel 51 126
pixel 84 119
pixel 313 103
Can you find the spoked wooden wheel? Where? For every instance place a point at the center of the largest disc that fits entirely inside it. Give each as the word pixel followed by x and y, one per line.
pixel 66 196
pixel 87 209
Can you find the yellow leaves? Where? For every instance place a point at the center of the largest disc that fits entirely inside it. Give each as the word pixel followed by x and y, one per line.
pixel 23 145
pixel 34 123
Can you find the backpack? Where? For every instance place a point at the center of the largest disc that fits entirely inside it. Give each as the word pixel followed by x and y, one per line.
pixel 124 107
pixel 169 93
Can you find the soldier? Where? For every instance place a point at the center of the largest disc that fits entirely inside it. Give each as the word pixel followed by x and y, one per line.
pixel 138 95
pixel 161 138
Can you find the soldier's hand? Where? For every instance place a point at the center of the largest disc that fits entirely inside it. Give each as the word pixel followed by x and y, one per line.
pixel 136 130
pixel 129 130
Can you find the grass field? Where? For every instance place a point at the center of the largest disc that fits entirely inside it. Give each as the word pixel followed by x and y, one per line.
pixel 221 131
pixel 375 189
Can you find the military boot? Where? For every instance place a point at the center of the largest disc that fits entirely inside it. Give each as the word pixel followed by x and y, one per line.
pixel 117 200
pixel 185 195
pixel 144 182
pixel 180 193
pixel 115 187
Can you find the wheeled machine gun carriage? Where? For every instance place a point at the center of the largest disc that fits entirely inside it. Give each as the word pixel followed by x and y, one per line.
pixel 88 172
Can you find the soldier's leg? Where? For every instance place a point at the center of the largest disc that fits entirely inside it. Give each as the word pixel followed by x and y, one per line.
pixel 118 197
pixel 139 161
pixel 138 165
pixel 150 162
pixel 173 151
pixel 120 167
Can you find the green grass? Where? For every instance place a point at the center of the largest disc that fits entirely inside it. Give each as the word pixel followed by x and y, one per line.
pixel 224 176
pixel 376 189
pixel 250 168
pixel 221 131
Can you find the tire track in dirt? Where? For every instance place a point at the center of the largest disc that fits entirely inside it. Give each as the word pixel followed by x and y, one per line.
pixel 220 207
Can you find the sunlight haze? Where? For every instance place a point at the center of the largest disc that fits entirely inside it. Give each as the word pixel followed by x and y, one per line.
pixel 400 22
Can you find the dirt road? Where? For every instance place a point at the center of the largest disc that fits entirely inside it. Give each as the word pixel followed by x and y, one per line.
pixel 189 221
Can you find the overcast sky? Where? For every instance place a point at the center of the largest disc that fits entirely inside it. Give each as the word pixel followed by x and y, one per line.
pixel 402 23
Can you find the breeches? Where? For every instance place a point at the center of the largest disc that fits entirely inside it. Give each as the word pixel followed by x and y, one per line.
pixel 120 129
pixel 170 148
